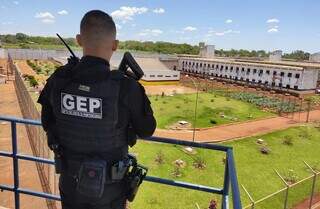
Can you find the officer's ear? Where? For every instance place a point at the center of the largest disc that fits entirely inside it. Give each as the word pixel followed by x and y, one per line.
pixel 79 40
pixel 115 45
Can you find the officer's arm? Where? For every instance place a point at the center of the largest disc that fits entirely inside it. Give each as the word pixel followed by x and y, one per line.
pixel 47 116
pixel 141 114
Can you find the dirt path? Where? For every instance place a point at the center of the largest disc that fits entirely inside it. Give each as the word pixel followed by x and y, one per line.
pixel 305 203
pixel 28 172
pixel 240 130
pixel 168 89
pixel 24 67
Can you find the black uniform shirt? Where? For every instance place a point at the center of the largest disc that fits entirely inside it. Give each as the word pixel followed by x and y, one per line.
pixel 134 105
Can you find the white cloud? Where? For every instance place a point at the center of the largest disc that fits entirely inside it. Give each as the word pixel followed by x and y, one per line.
pixel 229 21
pixel 159 10
pixel 150 32
pixel 221 33
pixel 7 23
pixel 190 28
pixel 16 2
pixel 45 15
pixel 127 13
pixel 118 26
pixel 63 12
pixel 48 21
pixel 273 30
pixel 273 20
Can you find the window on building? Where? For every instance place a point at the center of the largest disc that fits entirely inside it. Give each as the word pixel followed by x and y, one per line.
pixel 237 69
pixel 209 66
pixel 288 86
pixel 242 69
pixel 247 79
pixel 221 67
pixel 297 75
pixel 254 71
pixel 268 72
pixel 280 84
pixel 259 81
pixel 289 75
pixel 227 67
pixel 295 87
pixel 282 74
pixel 175 75
pixel 253 80
pixel 266 82
pixel 273 84
pixel 152 76
pixel 168 76
pixel 160 76
pixel 274 72
pixel 217 66
pixel 200 64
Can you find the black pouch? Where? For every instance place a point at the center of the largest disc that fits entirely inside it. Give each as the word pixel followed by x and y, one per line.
pixel 92 178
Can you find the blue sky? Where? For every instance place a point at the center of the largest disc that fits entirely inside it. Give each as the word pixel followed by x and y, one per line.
pixel 247 24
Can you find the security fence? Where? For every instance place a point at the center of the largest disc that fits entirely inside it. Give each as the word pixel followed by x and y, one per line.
pixel 285 198
pixel 36 135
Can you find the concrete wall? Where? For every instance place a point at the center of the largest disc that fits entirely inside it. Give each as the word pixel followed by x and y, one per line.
pixel 3 54
pixel 275 56
pixel 293 78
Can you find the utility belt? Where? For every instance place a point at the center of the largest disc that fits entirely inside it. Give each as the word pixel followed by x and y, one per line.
pixel 92 174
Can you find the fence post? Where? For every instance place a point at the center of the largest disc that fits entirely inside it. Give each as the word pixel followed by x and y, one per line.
pixel 287 190
pixel 250 197
pixel 313 183
pixel 308 113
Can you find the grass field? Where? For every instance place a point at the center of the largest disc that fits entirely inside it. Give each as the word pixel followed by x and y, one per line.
pixel 255 170
pixel 212 110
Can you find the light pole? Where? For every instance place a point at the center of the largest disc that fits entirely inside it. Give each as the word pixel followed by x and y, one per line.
pixel 195 109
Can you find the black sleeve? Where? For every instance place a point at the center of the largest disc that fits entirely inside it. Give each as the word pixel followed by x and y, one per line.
pixel 47 116
pixel 141 114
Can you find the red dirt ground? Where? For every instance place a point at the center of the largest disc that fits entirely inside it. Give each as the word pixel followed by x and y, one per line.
pixel 305 204
pixel 28 173
pixel 239 130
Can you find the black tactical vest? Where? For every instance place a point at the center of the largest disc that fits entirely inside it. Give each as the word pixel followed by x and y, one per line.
pixel 87 114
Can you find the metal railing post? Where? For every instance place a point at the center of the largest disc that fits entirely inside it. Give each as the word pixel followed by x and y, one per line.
pixel 233 180
pixel 226 185
pixel 15 165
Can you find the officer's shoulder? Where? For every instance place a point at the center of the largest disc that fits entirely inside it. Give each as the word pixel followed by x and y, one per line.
pixel 128 82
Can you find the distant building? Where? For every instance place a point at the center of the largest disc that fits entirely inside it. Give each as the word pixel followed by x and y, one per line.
pixel 281 74
pixel 206 50
pixel 315 57
pixel 155 70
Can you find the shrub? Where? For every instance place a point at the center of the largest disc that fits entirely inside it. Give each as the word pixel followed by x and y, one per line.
pixel 227 98
pixel 178 106
pixel 213 121
pixel 159 158
pixel 162 94
pixel 213 204
pixel 212 100
pixel 287 140
pixel 33 82
pixel 199 163
pixel 291 177
pixel 304 134
pixel 164 102
pixel 265 150
pixel 176 172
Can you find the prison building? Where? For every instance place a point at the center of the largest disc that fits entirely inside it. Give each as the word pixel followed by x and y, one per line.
pixel 155 70
pixel 282 74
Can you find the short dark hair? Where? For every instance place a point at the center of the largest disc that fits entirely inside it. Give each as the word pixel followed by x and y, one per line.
pixel 96 24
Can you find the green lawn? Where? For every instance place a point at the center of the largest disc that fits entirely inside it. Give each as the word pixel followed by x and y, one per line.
pixel 212 110
pixel 255 170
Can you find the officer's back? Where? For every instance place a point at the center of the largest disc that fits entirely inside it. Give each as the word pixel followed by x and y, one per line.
pixel 93 114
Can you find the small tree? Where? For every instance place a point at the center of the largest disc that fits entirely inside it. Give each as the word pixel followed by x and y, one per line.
pixel 287 140
pixel 199 163
pixel 177 171
pixel 213 204
pixel 159 157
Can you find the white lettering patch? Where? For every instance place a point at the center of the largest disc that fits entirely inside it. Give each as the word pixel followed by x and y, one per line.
pixel 80 106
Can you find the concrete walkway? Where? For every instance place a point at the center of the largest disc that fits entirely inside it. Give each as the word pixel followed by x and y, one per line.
pixel 240 130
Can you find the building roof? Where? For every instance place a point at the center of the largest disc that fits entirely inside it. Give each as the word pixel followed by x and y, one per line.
pixel 286 65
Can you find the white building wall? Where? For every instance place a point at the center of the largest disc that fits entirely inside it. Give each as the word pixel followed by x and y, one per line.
pixel 271 76
pixel 161 76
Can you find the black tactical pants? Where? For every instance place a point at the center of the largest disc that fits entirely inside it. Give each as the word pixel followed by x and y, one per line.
pixel 113 196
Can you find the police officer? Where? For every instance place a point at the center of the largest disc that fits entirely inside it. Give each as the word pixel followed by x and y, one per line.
pixel 91 115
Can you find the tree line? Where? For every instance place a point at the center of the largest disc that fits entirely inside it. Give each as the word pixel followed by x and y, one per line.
pixel 22 40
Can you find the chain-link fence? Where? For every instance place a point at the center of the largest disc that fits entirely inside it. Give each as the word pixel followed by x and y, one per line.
pixel 295 195
pixel 37 136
